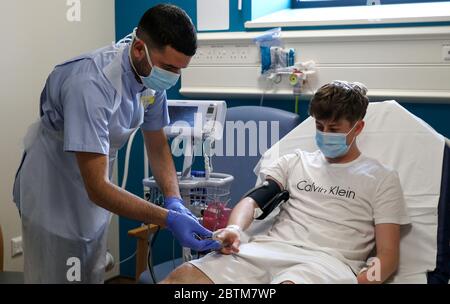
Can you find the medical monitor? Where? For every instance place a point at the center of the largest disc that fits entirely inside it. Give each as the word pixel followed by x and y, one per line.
pixel 196 118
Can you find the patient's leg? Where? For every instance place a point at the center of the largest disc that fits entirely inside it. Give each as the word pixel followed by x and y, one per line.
pixel 186 274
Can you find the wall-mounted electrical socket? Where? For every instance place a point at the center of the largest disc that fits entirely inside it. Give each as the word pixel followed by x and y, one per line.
pixel 16 246
pixel 446 52
pixel 226 55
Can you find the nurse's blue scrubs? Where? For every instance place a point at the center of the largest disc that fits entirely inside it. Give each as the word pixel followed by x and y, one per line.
pixel 89 104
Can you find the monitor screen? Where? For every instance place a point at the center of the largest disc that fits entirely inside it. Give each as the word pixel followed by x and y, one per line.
pixel 185 114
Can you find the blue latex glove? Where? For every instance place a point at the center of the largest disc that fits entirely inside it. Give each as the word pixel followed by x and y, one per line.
pixel 190 233
pixel 177 204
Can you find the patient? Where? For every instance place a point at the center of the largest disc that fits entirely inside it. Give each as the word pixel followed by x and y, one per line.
pixel 342 205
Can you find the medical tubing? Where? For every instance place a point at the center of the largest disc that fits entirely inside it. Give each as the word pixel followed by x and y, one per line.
pixel 207 167
pixel 207 158
pixel 261 101
pixel 149 256
pixel 126 40
pixel 124 179
pixel 186 171
pixel 266 88
pixel 128 258
pixel 173 253
pixel 150 266
pixel 126 165
pixel 127 159
pixel 146 171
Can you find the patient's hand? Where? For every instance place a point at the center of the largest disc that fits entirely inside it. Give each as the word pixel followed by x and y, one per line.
pixel 230 239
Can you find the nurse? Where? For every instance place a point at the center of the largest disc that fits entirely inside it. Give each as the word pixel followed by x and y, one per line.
pixel 88 108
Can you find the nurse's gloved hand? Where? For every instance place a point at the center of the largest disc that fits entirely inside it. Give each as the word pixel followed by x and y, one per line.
pixel 177 204
pixel 190 233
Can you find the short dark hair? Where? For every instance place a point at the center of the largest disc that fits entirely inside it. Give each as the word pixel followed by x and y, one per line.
pixel 340 100
pixel 166 24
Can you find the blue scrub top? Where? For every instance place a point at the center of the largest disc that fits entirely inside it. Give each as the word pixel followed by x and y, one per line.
pixel 78 100
pixel 91 103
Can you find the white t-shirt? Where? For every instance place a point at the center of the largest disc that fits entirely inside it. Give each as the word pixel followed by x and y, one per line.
pixel 334 207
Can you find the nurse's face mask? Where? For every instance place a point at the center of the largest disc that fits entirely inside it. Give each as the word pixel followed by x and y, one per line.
pixel 332 144
pixel 158 79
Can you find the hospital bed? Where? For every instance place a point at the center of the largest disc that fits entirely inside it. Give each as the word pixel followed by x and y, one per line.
pixel 421 156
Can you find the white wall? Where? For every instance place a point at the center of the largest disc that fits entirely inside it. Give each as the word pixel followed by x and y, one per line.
pixel 36 35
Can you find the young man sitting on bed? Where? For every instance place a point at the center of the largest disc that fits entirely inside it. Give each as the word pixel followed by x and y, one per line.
pixel 341 205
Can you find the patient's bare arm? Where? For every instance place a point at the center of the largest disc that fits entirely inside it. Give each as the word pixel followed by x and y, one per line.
pixel 387 238
pixel 241 216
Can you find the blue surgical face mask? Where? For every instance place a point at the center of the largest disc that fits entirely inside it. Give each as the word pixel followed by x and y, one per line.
pixel 159 79
pixel 333 145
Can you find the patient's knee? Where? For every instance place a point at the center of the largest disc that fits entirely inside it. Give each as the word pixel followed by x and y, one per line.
pixel 178 274
pixel 186 274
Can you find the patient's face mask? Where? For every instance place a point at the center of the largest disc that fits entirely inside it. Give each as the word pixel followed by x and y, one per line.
pixel 158 79
pixel 333 145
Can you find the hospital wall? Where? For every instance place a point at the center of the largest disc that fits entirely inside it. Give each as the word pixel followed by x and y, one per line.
pixel 37 35
pixel 127 17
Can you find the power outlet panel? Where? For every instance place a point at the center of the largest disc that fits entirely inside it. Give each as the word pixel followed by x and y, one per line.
pixel 16 246
pixel 446 53
pixel 226 55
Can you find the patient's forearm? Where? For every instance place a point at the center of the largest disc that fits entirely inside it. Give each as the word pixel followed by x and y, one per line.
pixel 380 271
pixel 242 214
